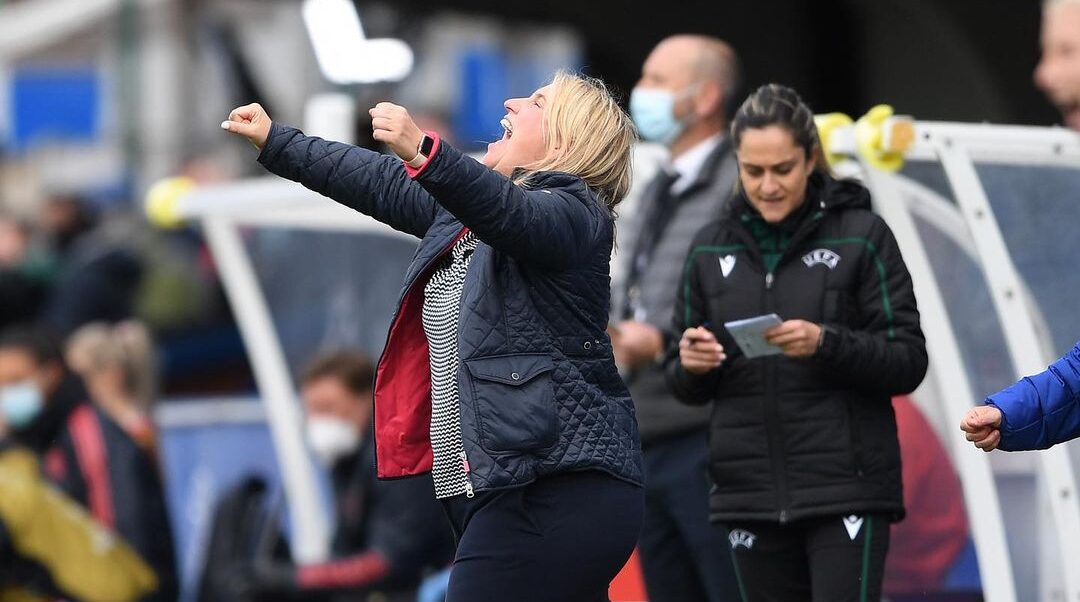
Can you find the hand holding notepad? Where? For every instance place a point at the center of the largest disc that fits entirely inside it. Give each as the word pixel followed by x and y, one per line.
pixel 749 335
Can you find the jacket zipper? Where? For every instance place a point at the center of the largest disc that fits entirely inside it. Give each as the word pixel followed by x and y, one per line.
pixel 772 416
pixel 469 492
pixel 772 419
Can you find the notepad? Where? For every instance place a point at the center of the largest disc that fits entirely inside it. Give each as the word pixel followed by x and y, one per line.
pixel 749 335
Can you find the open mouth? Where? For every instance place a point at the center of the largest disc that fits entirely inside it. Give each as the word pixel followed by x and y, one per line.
pixel 508 128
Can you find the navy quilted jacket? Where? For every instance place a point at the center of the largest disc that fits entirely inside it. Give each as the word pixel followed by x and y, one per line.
pixel 538 386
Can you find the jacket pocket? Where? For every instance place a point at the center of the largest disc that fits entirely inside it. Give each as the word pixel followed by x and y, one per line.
pixel 515 402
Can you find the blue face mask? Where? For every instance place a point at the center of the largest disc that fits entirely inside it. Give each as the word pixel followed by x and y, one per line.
pixel 653 111
pixel 20 404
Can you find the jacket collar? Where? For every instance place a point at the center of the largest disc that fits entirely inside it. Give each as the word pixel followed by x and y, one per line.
pixel 710 168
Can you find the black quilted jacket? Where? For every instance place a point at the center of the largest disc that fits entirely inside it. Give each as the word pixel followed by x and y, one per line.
pixel 538 386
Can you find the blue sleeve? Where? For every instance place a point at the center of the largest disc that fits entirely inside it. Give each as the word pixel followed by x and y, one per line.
pixel 371 183
pixel 554 228
pixel 1042 410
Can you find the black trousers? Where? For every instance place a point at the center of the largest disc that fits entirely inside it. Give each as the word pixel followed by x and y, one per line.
pixel 560 539
pixel 684 557
pixel 831 559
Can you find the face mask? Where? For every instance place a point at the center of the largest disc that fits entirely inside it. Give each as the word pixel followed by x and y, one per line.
pixel 653 111
pixel 20 404
pixel 331 438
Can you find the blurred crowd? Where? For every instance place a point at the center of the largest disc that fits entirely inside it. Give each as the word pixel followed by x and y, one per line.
pixel 75 261
pixel 60 269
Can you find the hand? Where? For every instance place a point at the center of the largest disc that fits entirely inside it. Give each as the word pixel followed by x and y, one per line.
pixel 796 338
pixel 392 125
pixel 251 122
pixel 635 344
pixel 982 426
pixel 699 351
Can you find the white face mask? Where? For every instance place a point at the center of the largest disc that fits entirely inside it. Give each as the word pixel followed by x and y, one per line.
pixel 21 404
pixel 331 438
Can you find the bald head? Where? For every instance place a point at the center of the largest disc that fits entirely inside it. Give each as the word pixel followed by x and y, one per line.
pixel 698 75
pixel 1058 71
pixel 715 62
pixel 682 60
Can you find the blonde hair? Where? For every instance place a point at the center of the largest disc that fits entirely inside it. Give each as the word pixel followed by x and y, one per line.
pixel 588 135
pixel 125 346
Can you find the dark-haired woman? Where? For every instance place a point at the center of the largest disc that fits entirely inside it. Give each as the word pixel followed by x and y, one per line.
pixel 803 447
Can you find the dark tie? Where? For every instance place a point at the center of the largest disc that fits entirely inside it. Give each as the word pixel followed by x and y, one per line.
pixel 659 208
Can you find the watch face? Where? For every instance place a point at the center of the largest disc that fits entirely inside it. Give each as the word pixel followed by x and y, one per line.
pixel 426 145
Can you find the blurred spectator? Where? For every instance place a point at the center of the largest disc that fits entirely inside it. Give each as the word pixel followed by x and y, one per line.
pixel 925 546
pixel 117 364
pixel 50 548
pixel 389 533
pixel 680 100
pixel 98 275
pixel 88 455
pixel 1058 72
pixel 22 291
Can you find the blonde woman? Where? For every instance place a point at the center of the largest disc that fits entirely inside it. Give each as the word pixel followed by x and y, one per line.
pixel 497 376
pixel 107 458
pixel 117 364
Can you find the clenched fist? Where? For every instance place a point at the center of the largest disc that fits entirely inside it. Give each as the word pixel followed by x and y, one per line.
pixel 251 122
pixel 392 125
pixel 982 426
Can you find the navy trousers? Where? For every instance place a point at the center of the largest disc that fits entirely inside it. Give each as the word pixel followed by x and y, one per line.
pixel 560 539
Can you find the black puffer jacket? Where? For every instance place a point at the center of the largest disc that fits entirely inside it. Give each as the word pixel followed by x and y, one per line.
pixel 790 438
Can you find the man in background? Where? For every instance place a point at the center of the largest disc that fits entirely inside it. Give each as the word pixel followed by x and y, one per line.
pixel 680 102
pixel 389 534
pixel 1058 71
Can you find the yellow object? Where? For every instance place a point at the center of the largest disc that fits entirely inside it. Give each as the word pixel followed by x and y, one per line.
pixel 882 139
pixel 84 560
pixel 826 125
pixel 163 200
